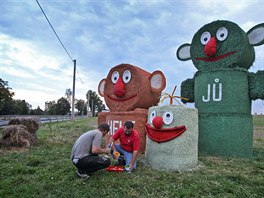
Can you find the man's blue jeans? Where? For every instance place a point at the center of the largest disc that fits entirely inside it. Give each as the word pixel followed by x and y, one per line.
pixel 127 155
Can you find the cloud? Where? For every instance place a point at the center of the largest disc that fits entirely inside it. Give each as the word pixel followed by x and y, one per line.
pixel 26 54
pixel 38 96
pixel 103 34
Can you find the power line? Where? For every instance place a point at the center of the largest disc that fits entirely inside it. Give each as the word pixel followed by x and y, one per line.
pixel 68 55
pixel 81 80
pixel 74 61
pixel 60 41
pixel 54 30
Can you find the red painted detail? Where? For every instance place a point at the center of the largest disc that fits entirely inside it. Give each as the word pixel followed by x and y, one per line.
pixel 210 47
pixel 115 168
pixel 157 122
pixel 120 88
pixel 165 134
pixel 216 58
pixel 121 99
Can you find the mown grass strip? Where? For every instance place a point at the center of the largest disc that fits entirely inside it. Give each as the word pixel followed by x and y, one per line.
pixel 46 171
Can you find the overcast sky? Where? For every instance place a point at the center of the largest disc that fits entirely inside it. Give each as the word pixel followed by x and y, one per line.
pixel 101 34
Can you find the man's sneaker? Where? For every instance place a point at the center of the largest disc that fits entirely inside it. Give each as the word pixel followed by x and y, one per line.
pixel 82 174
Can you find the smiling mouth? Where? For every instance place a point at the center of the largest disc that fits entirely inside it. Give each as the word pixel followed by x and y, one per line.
pixel 121 99
pixel 164 135
pixel 216 58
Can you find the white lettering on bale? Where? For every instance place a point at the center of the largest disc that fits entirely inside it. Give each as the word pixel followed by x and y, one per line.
pixel 214 92
pixel 114 125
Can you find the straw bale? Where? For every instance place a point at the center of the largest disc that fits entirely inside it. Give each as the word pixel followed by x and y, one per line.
pixel 256 82
pixel 138 93
pixel 29 122
pixel 18 136
pixel 117 119
pixel 180 153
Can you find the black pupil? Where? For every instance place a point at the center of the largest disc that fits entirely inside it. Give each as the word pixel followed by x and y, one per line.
pixel 222 35
pixel 205 39
pixel 168 115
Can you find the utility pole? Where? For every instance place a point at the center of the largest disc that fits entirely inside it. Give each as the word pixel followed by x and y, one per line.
pixel 92 109
pixel 88 104
pixel 73 90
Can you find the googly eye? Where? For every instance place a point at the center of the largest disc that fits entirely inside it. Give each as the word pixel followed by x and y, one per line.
pixel 152 115
pixel 205 38
pixel 167 117
pixel 126 76
pixel 115 77
pixel 221 34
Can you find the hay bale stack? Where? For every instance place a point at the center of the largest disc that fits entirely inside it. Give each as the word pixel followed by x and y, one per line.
pixel 30 123
pixel 16 135
pixel 20 132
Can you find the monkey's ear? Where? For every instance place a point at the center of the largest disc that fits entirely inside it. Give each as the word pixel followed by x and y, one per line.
pixel 256 35
pixel 184 52
pixel 157 81
pixel 101 87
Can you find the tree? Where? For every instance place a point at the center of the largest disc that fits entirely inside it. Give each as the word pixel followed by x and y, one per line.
pixel 50 107
pixel 80 106
pixel 37 111
pixel 63 106
pixel 5 94
pixel 18 107
pixel 85 109
pixel 22 107
pixel 8 108
pixel 95 103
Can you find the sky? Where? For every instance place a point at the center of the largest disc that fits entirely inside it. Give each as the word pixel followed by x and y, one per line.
pixel 102 34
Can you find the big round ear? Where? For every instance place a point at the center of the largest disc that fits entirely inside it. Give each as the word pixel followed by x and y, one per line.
pixel 256 35
pixel 157 81
pixel 101 87
pixel 184 52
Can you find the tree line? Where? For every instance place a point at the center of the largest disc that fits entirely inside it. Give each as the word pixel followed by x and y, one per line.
pixel 10 106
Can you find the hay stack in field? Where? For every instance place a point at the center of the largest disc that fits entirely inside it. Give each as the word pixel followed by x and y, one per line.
pixel 16 135
pixel 29 122
pixel 20 132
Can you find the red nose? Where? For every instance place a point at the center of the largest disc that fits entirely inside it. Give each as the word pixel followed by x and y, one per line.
pixel 157 122
pixel 120 88
pixel 210 47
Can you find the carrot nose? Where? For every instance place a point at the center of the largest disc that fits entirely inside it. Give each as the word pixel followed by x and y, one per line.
pixel 210 47
pixel 120 88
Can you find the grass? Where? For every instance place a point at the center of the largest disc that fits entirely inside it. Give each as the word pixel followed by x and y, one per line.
pixel 46 171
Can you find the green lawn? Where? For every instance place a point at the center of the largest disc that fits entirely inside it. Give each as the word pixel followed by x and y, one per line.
pixel 46 171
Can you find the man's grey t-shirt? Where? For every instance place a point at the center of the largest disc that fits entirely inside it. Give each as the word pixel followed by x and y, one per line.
pixel 83 145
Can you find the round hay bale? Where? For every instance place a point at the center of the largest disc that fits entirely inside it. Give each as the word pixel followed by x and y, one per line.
pixel 30 123
pixel 17 135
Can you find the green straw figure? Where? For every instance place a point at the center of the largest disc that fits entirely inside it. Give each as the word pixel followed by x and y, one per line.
pixel 223 88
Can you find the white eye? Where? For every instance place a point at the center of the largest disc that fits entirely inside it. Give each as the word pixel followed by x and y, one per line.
pixel 126 76
pixel 115 77
pixel 152 116
pixel 221 34
pixel 167 117
pixel 205 38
